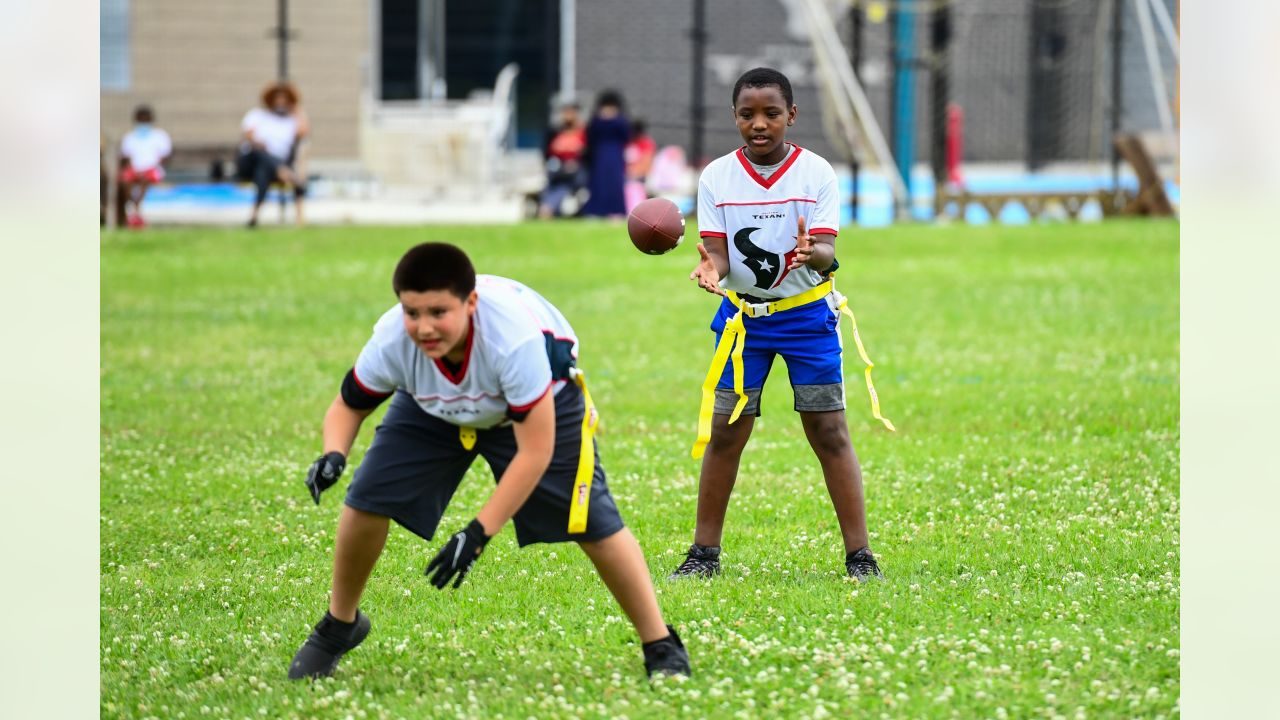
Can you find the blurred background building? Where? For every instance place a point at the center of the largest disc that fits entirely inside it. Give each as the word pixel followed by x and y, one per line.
pixel 413 92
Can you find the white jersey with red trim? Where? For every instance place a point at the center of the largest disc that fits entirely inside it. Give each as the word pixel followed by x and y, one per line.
pixel 146 148
pixel 757 216
pixel 516 337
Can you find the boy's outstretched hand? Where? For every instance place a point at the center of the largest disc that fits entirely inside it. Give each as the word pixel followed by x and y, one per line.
pixel 804 246
pixel 706 274
pixel 324 472
pixel 458 555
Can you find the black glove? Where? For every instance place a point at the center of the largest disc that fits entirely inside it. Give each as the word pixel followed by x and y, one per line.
pixel 457 555
pixel 324 472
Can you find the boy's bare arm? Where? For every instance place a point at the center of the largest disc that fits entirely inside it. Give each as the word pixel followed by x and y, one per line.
pixel 535 443
pixel 341 425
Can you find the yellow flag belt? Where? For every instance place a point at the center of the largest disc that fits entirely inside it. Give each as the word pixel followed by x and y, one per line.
pixel 734 338
pixel 581 498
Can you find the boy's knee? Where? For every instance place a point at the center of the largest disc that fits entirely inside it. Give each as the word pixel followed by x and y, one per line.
pixel 728 438
pixel 829 433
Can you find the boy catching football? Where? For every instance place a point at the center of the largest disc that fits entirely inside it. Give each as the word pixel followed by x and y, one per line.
pixel 475 366
pixel 767 214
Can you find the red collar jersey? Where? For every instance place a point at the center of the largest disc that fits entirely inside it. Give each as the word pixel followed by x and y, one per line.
pixel 757 216
pixel 520 345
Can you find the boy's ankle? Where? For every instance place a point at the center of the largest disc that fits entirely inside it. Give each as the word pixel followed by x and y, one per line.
pixel 705 550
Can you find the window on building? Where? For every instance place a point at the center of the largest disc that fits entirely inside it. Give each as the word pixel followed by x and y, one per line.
pixel 114 45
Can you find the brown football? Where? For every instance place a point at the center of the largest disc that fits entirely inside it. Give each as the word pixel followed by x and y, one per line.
pixel 655 226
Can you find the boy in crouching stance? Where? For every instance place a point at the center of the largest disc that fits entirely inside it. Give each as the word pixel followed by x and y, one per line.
pixel 474 366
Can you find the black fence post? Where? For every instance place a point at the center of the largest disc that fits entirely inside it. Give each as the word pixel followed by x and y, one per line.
pixel 940 42
pixel 855 57
pixel 1117 78
pixel 698 36
pixel 282 38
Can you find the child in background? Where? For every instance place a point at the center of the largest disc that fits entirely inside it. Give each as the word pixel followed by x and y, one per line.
pixel 143 151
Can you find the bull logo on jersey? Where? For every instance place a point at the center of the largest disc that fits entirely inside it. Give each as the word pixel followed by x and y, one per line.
pixel 769 268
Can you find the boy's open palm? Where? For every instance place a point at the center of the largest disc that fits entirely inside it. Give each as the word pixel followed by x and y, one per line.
pixel 706 274
pixel 804 246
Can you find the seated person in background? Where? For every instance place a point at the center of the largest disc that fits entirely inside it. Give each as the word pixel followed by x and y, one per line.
pixel 639 156
pixel 271 136
pixel 143 151
pixel 563 155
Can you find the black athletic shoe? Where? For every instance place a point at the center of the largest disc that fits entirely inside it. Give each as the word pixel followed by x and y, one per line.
pixel 702 561
pixel 666 656
pixel 328 642
pixel 861 565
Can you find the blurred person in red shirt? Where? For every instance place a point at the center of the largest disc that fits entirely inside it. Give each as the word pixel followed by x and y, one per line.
pixel 563 153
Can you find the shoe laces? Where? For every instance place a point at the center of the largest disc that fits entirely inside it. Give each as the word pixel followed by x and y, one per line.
pixel 861 562
pixel 699 559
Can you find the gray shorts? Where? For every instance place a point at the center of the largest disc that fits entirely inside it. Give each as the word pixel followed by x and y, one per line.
pixel 808 398
pixel 416 461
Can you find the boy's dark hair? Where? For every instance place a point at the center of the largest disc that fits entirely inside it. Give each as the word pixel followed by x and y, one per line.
pixel 639 127
pixel 435 266
pixel 764 77
pixel 143 113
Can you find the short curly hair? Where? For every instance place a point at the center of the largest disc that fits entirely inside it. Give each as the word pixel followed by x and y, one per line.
pixel 764 77
pixel 290 93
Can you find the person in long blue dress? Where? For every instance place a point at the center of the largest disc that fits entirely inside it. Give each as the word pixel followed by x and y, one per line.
pixel 607 136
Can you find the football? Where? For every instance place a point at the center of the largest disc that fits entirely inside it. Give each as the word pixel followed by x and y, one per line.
pixel 655 226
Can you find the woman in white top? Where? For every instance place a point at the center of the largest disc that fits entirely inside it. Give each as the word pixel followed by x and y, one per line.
pixel 271 137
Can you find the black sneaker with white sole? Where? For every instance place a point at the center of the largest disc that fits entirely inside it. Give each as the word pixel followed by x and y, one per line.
pixel 702 561
pixel 328 642
pixel 666 656
pixel 861 565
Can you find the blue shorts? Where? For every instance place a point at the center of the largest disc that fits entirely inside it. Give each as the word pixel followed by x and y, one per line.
pixel 807 338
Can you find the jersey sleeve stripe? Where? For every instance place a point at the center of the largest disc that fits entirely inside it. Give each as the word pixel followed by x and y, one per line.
pixel 366 388
pixel 823 231
pixel 712 233
pixel 529 405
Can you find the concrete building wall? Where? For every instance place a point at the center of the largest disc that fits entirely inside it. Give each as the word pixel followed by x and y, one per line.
pixel 201 65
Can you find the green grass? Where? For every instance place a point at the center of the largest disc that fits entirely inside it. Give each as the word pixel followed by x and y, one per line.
pixel 1026 513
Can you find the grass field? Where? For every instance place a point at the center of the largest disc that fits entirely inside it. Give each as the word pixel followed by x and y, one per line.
pixel 1025 514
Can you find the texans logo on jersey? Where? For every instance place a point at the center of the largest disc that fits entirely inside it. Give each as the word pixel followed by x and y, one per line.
pixel 770 268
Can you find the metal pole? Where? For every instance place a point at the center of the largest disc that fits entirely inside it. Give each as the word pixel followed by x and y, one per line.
pixel 1032 110
pixel 282 35
pixel 855 47
pixel 904 42
pixel 1117 77
pixel 940 40
pixel 698 36
pixel 568 49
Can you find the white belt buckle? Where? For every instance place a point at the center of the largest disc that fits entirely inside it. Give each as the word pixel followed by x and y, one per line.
pixel 760 310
